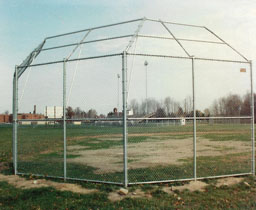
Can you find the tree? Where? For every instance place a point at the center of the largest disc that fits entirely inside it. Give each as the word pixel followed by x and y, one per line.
pixel 70 112
pixel 215 108
pixel 233 105
pixel 207 112
pixel 180 112
pixel 92 113
pixel 78 112
pixel 246 105
pixel 134 105
pixel 160 112
pixel 167 104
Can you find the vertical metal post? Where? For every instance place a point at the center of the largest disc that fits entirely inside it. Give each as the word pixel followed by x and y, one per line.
pixel 15 118
pixel 252 121
pixel 118 77
pixel 124 92
pixel 64 120
pixel 146 68
pixel 194 119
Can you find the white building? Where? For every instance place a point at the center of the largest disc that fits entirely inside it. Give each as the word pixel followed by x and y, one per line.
pixel 53 112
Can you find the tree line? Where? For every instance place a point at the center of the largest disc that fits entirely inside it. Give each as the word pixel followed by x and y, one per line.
pixel 230 105
pixel 79 113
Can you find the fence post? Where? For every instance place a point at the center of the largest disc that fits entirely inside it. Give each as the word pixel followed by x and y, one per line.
pixel 252 121
pixel 15 118
pixel 124 92
pixel 194 114
pixel 64 120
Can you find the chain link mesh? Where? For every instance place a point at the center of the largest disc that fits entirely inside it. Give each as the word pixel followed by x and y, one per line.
pixel 161 130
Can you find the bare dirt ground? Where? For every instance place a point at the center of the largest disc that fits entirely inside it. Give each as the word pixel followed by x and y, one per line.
pixel 192 186
pixel 154 152
pixel 138 193
pixel 23 183
pixel 229 181
pixel 158 134
pixel 200 186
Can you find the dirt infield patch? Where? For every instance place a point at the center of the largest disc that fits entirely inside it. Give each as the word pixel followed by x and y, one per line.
pixel 155 153
pixel 229 181
pixel 115 196
pixel 119 136
pixel 191 186
pixel 23 183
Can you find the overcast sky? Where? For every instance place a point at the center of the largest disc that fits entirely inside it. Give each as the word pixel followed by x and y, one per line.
pixel 25 23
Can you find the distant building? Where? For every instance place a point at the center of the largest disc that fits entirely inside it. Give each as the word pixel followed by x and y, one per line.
pixel 5 118
pixel 53 112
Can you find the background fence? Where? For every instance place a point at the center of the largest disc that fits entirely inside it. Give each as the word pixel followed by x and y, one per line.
pixel 139 115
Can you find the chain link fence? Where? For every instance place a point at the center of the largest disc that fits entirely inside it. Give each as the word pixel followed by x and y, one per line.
pixel 123 108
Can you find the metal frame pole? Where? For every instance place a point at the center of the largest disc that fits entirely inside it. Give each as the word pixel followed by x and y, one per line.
pixel 146 68
pixel 118 82
pixel 14 118
pixel 124 92
pixel 194 113
pixel 64 120
pixel 252 121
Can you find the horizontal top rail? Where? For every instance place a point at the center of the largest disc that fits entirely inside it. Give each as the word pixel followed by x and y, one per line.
pixel 188 118
pixel 93 28
pixel 180 39
pixel 127 36
pixel 71 60
pixel 87 42
pixel 183 57
pixel 174 23
pixel 79 119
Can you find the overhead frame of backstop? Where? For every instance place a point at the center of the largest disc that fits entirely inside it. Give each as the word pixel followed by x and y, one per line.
pixel 20 69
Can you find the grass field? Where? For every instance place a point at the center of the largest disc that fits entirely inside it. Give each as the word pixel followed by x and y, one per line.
pixel 155 152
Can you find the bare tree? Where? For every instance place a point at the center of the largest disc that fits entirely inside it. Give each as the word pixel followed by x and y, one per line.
pixel 160 112
pixel 134 105
pixel 246 106
pixel 215 108
pixel 167 104
pixel 92 113
pixel 233 105
pixel 207 112
pixel 70 112
pixel 78 112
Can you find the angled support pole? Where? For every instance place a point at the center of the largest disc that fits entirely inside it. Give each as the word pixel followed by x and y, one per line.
pixel 15 119
pixel 73 51
pixel 135 35
pixel 226 44
pixel 175 38
pixel 124 92
pixel 24 65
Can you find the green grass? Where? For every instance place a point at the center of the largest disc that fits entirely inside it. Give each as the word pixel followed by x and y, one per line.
pixel 228 137
pixel 237 197
pixel 40 149
pixel 41 152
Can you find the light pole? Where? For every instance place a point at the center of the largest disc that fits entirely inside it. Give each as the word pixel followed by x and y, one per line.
pixel 118 77
pixel 146 69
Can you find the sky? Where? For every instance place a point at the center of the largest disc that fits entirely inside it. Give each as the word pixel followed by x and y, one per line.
pixel 25 23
